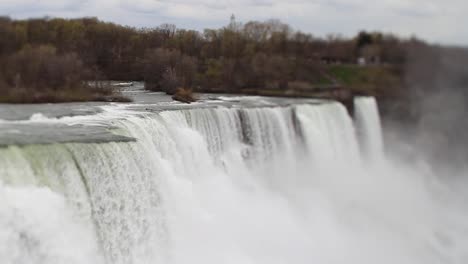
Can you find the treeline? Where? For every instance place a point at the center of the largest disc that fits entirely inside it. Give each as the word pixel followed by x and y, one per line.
pixel 41 75
pixel 34 69
pixel 259 55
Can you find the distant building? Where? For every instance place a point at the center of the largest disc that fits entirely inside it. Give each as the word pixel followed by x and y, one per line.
pixel 370 54
pixel 361 61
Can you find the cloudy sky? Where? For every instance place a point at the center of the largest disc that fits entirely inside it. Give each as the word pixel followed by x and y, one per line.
pixel 434 20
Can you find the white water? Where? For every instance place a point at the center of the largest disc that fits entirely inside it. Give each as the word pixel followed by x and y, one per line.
pixel 368 120
pixel 265 185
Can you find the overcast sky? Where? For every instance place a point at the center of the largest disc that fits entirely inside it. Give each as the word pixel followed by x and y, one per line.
pixel 433 20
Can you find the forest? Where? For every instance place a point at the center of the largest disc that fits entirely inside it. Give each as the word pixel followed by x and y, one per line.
pixel 54 59
pixel 256 54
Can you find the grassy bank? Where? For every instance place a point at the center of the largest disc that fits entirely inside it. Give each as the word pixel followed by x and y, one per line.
pixel 378 80
pixel 375 80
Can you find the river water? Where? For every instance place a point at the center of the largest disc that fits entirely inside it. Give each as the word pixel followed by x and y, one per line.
pixel 233 179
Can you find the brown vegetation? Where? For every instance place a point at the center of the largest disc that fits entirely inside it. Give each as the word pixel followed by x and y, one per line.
pixel 255 55
pixel 184 95
pixel 38 75
pixel 165 70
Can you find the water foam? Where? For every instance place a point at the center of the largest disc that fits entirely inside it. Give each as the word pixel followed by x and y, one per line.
pixel 237 185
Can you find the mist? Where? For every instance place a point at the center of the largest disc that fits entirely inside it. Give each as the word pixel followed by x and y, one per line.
pixel 430 121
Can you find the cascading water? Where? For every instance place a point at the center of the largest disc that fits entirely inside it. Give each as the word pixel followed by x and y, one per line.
pixel 368 120
pixel 222 185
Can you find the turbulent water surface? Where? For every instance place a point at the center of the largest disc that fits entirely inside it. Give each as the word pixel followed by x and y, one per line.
pixel 230 180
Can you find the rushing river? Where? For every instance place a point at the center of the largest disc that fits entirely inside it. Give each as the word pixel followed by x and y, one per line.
pixel 227 180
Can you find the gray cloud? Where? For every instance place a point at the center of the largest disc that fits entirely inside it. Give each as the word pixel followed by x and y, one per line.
pixel 429 19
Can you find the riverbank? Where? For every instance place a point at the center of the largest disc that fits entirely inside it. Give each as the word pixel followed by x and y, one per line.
pixel 29 96
pixel 43 75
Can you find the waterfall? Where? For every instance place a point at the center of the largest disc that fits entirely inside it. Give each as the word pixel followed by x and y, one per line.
pixel 279 184
pixel 368 123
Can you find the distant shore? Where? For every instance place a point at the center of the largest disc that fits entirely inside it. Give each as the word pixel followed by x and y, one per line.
pixel 50 60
